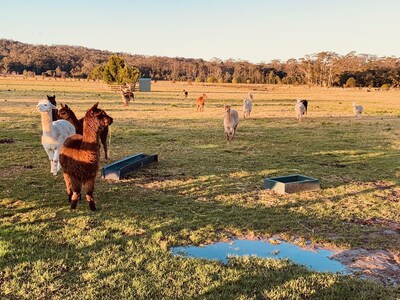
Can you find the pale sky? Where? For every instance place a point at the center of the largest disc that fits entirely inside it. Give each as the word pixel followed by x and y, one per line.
pixel 252 30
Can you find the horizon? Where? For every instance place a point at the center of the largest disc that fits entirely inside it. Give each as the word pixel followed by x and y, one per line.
pixel 206 30
pixel 117 52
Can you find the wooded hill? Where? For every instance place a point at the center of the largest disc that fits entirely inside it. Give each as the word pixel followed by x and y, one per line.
pixel 322 69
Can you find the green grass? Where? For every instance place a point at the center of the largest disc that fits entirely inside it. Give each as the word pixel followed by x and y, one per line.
pixel 203 189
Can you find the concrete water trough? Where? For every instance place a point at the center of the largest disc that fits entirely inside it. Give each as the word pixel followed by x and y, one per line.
pixel 291 184
pixel 119 170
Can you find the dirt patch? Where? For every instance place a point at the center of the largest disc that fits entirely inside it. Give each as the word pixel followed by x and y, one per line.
pixel 377 265
pixel 386 224
pixel 381 266
pixel 7 141
pixel 14 171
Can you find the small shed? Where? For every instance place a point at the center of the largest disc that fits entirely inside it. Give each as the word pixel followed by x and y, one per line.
pixel 144 84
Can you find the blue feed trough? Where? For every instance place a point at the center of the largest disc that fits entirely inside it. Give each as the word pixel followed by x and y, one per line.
pixel 119 169
pixel 291 184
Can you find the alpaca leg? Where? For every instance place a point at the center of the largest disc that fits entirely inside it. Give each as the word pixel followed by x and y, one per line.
pixel 50 154
pixel 57 165
pixel 89 187
pixel 68 186
pixel 76 187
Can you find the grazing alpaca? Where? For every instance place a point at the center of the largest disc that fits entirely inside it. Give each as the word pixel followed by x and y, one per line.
pixel 127 95
pixel 67 114
pixel 299 109
pixel 185 93
pixel 80 157
pixel 52 100
pixel 54 133
pixel 200 102
pixel 231 122
pixel 358 109
pixel 305 103
pixel 247 107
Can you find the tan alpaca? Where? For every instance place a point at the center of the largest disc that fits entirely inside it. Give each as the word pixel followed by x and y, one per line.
pixel 200 102
pixel 231 122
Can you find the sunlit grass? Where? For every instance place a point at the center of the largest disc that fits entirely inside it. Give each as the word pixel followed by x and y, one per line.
pixel 202 190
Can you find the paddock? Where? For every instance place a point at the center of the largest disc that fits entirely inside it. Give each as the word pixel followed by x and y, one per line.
pixel 202 190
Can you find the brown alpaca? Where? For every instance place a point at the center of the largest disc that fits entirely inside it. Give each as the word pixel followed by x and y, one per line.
pixel 54 112
pixel 200 102
pixel 80 157
pixel 67 114
pixel 127 95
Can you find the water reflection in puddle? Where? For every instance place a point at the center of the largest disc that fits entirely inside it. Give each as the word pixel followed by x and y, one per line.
pixel 317 260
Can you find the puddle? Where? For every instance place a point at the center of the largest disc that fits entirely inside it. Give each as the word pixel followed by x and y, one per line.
pixel 315 259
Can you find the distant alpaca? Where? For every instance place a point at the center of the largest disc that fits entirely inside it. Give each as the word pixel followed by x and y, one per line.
pixel 299 109
pixel 305 103
pixel 127 95
pixel 185 93
pixel 231 122
pixel 67 114
pixel 200 102
pixel 80 157
pixel 52 100
pixel 247 107
pixel 54 133
pixel 358 109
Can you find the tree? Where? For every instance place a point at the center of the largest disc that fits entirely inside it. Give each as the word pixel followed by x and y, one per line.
pixel 116 71
pixel 97 73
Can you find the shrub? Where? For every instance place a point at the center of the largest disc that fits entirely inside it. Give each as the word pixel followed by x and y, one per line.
pixel 351 83
pixel 211 79
pixel 199 79
pixel 385 87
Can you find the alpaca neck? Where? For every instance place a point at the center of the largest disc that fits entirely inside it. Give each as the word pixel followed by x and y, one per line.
pixel 90 135
pixel 47 122
pixel 228 116
pixel 73 120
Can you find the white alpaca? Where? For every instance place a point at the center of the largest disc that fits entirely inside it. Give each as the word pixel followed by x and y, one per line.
pixel 358 109
pixel 299 109
pixel 54 133
pixel 247 107
pixel 231 122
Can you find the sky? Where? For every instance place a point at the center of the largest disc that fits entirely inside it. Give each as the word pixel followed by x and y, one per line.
pixel 254 30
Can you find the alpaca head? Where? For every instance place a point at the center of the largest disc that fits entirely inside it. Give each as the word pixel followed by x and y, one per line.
pixel 227 108
pixel 97 118
pixel 52 99
pixel 65 112
pixel 44 106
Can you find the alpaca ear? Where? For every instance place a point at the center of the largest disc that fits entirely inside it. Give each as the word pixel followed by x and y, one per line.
pixel 62 105
pixel 94 106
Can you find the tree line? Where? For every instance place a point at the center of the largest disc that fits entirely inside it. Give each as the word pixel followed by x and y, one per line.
pixel 320 69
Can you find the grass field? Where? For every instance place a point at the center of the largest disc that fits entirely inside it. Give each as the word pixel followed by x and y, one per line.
pixel 203 189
